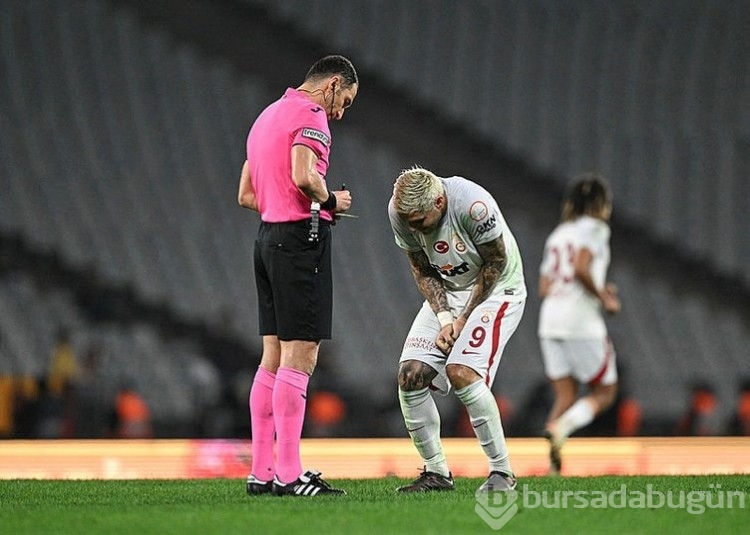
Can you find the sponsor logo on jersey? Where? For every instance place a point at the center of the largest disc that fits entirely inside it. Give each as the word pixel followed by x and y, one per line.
pixel 419 342
pixel 316 109
pixel 478 211
pixel 487 225
pixel 441 246
pixel 317 135
pixel 469 352
pixel 448 270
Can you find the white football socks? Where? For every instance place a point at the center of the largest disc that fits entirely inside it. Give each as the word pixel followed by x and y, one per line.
pixel 579 415
pixel 422 420
pixel 485 419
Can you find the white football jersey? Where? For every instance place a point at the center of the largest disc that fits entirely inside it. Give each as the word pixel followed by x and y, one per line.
pixel 569 310
pixel 472 217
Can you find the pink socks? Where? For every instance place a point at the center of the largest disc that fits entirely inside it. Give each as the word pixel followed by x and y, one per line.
pixel 277 404
pixel 289 400
pixel 261 421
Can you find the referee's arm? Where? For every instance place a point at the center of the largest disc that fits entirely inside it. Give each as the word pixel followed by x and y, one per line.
pixel 246 196
pixel 305 174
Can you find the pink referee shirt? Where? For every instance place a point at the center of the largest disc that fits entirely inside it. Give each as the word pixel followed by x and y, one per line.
pixel 292 120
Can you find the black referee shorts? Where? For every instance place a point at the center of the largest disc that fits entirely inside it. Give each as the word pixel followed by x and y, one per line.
pixel 294 281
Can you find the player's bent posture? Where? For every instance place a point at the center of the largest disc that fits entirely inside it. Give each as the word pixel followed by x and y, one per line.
pixel 572 333
pixel 283 179
pixel 467 265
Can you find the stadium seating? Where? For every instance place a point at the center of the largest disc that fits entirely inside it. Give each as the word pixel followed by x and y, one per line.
pixel 644 72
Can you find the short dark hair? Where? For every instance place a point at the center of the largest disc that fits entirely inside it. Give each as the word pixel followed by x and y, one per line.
pixel 586 194
pixel 332 65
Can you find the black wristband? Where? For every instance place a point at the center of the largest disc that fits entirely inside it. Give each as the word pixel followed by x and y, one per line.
pixel 330 203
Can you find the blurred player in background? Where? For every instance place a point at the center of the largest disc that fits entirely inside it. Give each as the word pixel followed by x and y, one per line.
pixel 284 180
pixel 572 333
pixel 467 265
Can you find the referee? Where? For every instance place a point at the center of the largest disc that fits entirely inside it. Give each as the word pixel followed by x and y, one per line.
pixel 283 179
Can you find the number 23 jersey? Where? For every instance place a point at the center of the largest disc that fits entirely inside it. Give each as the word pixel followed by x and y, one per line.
pixel 569 310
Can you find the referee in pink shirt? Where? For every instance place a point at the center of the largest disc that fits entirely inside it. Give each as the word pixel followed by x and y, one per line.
pixel 283 179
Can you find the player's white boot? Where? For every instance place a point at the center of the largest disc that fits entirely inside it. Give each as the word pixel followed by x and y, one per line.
pixel 498 482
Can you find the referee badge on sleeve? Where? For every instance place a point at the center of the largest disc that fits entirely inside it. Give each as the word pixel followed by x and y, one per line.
pixel 317 135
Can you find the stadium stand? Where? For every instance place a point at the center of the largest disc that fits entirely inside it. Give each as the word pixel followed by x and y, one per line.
pixel 575 68
pixel 122 128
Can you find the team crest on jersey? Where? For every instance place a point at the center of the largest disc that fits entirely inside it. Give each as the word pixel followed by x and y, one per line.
pixel 486 316
pixel 317 135
pixel 459 245
pixel 441 246
pixel 478 211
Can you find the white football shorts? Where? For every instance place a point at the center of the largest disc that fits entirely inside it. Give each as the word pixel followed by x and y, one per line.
pixel 479 346
pixel 590 360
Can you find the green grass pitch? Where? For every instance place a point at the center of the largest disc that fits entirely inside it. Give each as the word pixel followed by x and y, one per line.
pixel 221 506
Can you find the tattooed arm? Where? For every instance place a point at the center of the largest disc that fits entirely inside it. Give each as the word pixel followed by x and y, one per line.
pixel 495 258
pixel 428 280
pixel 430 285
